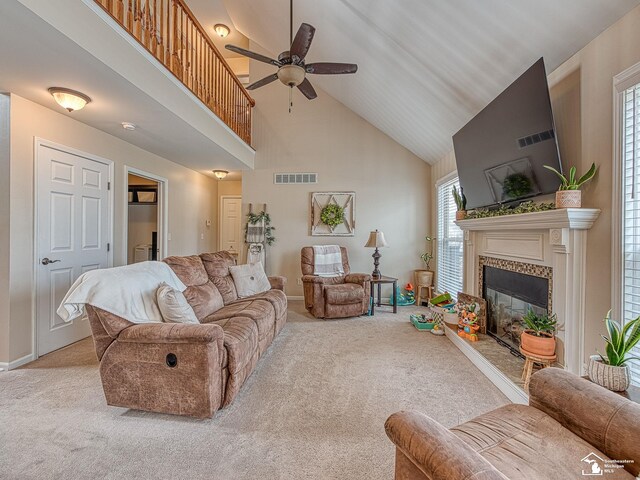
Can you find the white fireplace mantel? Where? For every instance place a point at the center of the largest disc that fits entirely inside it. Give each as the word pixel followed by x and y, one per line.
pixel 553 238
pixel 575 218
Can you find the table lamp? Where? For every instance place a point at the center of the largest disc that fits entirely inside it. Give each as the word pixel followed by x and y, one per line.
pixel 376 240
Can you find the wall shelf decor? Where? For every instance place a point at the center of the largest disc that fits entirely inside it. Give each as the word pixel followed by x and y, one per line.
pixel 347 203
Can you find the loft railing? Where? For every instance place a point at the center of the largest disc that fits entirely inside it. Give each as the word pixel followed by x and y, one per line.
pixel 172 34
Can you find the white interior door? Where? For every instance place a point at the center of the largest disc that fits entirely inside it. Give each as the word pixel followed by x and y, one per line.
pixel 230 223
pixel 73 234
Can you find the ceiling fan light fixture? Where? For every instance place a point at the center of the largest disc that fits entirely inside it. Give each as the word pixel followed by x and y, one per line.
pixel 221 29
pixel 291 75
pixel 220 174
pixel 69 99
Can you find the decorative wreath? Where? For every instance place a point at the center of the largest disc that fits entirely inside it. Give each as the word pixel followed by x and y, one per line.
pixel 332 215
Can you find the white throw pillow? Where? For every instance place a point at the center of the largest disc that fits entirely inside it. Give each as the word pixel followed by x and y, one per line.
pixel 249 279
pixel 174 306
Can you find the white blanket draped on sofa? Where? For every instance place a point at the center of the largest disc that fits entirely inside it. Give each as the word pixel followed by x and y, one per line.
pixel 128 292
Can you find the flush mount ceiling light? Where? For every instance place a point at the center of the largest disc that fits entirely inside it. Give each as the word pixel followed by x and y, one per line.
pixel 128 126
pixel 69 99
pixel 220 174
pixel 221 29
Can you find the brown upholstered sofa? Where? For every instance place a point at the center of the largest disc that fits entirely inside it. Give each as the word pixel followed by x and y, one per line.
pixel 334 297
pixel 189 369
pixel 568 420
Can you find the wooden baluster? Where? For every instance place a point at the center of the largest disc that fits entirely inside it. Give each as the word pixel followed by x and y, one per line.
pixel 175 61
pixel 154 28
pixel 166 37
pixel 119 11
pixel 145 25
pixel 129 19
pixel 190 30
pixel 137 30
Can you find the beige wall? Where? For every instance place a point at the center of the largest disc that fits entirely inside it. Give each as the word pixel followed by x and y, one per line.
pixel 392 185
pixel 229 187
pixel 582 93
pixel 192 201
pixel 612 52
pixel 4 227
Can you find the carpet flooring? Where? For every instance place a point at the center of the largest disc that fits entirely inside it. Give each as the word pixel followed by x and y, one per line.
pixel 314 408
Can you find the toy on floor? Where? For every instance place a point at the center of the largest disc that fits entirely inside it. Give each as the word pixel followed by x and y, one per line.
pixel 468 321
pixel 438 327
pixel 407 298
pixel 422 321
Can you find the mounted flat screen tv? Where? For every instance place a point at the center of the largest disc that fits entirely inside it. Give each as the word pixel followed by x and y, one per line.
pixel 500 153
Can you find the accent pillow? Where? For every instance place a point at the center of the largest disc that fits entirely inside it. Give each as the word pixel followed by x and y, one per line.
pixel 249 279
pixel 174 306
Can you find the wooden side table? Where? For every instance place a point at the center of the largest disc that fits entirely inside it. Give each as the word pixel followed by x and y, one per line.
pixel 530 360
pixel 379 282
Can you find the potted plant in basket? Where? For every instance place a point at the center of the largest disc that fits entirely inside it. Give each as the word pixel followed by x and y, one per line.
pixel 425 276
pixel 539 336
pixel 569 194
pixel 461 203
pixel 613 372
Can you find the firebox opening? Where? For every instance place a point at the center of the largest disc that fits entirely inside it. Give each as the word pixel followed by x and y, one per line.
pixel 509 297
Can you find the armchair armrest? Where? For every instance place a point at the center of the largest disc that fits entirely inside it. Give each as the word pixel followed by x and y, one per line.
pixel 172 333
pixel 312 279
pixel 570 400
pixel 278 282
pixel 435 450
pixel 360 278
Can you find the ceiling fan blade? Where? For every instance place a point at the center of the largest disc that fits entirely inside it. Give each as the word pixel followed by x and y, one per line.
pixel 307 89
pixel 302 41
pixel 328 68
pixel 254 55
pixel 263 82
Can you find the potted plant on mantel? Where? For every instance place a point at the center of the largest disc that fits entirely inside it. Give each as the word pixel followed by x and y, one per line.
pixel 539 337
pixel 461 203
pixel 569 194
pixel 425 276
pixel 613 372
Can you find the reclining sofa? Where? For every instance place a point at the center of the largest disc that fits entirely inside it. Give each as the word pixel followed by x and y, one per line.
pixel 189 369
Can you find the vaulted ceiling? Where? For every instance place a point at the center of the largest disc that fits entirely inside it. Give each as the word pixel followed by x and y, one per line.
pixel 426 66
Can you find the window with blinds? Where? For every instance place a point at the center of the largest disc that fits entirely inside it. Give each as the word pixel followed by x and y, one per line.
pixel 450 242
pixel 631 213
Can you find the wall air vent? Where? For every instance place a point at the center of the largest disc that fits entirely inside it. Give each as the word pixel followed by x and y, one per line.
pixel 294 178
pixel 536 138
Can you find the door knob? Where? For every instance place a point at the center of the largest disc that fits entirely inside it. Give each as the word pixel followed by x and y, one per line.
pixel 46 261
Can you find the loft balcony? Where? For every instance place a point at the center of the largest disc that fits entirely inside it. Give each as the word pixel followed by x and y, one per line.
pixel 171 33
pixel 147 62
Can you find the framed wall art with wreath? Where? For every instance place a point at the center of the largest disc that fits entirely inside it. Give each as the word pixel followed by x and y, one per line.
pixel 333 214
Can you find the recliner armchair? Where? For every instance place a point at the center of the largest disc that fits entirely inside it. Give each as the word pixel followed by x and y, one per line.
pixel 334 297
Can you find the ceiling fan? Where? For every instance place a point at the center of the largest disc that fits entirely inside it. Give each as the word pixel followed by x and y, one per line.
pixel 292 69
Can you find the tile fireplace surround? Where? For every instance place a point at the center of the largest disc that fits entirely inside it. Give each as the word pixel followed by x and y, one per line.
pixel 555 241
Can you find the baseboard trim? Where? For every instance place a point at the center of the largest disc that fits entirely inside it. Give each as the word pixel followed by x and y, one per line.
pixel 499 379
pixel 295 297
pixel 4 366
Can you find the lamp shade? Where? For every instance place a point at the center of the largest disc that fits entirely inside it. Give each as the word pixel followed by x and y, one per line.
pixel 376 240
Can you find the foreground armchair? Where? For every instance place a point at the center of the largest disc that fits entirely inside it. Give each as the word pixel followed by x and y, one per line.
pixel 569 424
pixel 334 297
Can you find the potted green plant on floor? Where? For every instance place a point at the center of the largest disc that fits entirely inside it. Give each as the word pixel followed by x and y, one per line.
pixel 539 336
pixel 613 372
pixel 461 203
pixel 569 194
pixel 425 276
